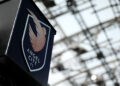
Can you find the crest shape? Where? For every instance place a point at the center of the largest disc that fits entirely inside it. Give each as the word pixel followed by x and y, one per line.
pixel 35 42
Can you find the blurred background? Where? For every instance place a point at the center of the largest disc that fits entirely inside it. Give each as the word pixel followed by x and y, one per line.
pixel 86 49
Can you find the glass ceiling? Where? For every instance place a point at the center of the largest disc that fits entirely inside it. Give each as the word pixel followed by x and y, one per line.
pixel 87 43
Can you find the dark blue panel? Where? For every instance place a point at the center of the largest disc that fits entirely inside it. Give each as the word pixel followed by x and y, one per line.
pixel 31 42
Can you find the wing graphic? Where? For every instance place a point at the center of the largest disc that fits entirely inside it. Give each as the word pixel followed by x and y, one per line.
pixel 37 41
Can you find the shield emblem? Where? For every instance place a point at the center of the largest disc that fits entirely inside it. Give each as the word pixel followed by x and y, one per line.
pixel 35 42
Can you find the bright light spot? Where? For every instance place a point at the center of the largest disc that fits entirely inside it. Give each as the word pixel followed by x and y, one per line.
pixel 93 77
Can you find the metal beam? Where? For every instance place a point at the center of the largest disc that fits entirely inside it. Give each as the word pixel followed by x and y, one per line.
pixel 82 72
pixel 78 33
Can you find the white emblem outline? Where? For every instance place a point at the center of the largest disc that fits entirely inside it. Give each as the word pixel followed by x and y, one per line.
pixel 38 69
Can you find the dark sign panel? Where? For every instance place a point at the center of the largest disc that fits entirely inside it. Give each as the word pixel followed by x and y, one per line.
pixel 31 41
pixel 35 42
